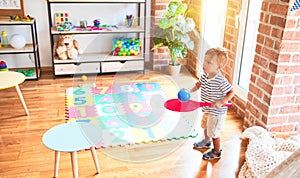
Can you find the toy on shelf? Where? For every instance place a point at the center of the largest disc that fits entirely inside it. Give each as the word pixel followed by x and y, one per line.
pixel 101 27
pixel 90 28
pixel 83 23
pixel 4 39
pixel 66 26
pixel 27 73
pixel 126 47
pixel 129 20
pixel 97 23
pixel 62 21
pixel 27 18
pixel 66 47
pixel 97 26
pixel 17 41
pixel 61 17
pixel 3 66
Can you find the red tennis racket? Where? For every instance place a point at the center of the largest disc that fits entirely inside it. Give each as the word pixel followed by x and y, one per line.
pixel 190 105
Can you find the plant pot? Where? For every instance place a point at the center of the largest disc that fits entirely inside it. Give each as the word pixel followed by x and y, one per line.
pixel 174 70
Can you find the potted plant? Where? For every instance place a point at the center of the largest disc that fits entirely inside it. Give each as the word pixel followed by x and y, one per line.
pixel 174 30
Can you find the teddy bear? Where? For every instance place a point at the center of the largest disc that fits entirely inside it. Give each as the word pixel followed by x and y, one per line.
pixel 66 47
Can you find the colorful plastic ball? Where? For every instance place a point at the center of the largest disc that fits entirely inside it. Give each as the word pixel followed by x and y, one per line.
pixel 3 64
pixel 83 77
pixel 184 95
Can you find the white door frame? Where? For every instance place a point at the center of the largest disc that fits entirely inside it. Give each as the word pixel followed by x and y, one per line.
pixel 209 6
pixel 242 17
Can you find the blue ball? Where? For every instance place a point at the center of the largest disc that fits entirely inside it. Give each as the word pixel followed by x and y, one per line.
pixel 183 95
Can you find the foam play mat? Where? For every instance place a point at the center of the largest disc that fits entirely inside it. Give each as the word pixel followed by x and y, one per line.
pixel 127 113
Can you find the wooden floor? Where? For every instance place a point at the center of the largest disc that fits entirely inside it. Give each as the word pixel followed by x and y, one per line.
pixel 22 153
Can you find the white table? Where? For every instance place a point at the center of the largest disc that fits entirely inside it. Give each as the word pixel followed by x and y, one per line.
pixel 72 137
pixel 10 79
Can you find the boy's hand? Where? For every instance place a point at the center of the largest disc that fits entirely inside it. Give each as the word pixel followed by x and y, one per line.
pixel 219 103
pixel 195 88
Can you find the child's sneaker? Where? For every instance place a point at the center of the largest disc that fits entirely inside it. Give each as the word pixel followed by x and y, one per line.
pixel 212 154
pixel 202 144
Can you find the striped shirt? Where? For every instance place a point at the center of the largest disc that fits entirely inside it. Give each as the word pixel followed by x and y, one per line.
pixel 212 90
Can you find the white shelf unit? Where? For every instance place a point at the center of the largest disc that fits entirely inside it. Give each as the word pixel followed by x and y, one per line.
pixel 102 61
pixel 32 48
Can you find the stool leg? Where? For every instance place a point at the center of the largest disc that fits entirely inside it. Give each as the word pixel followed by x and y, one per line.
pixel 74 164
pixel 95 158
pixel 56 163
pixel 22 99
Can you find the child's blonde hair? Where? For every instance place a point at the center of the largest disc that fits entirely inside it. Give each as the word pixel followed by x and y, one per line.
pixel 221 53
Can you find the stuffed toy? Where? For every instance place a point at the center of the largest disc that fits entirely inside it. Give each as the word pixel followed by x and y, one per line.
pixel 66 47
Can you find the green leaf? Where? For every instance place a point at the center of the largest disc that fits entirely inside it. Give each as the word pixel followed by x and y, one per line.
pixel 181 9
pixel 173 31
pixel 171 10
pixel 166 23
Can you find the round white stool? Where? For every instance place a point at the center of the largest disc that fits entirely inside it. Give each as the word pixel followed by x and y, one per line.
pixel 72 137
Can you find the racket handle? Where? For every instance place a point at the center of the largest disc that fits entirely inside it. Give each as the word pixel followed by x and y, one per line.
pixel 211 104
pixel 228 104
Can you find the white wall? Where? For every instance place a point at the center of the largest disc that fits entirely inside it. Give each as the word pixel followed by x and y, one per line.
pixel 38 9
